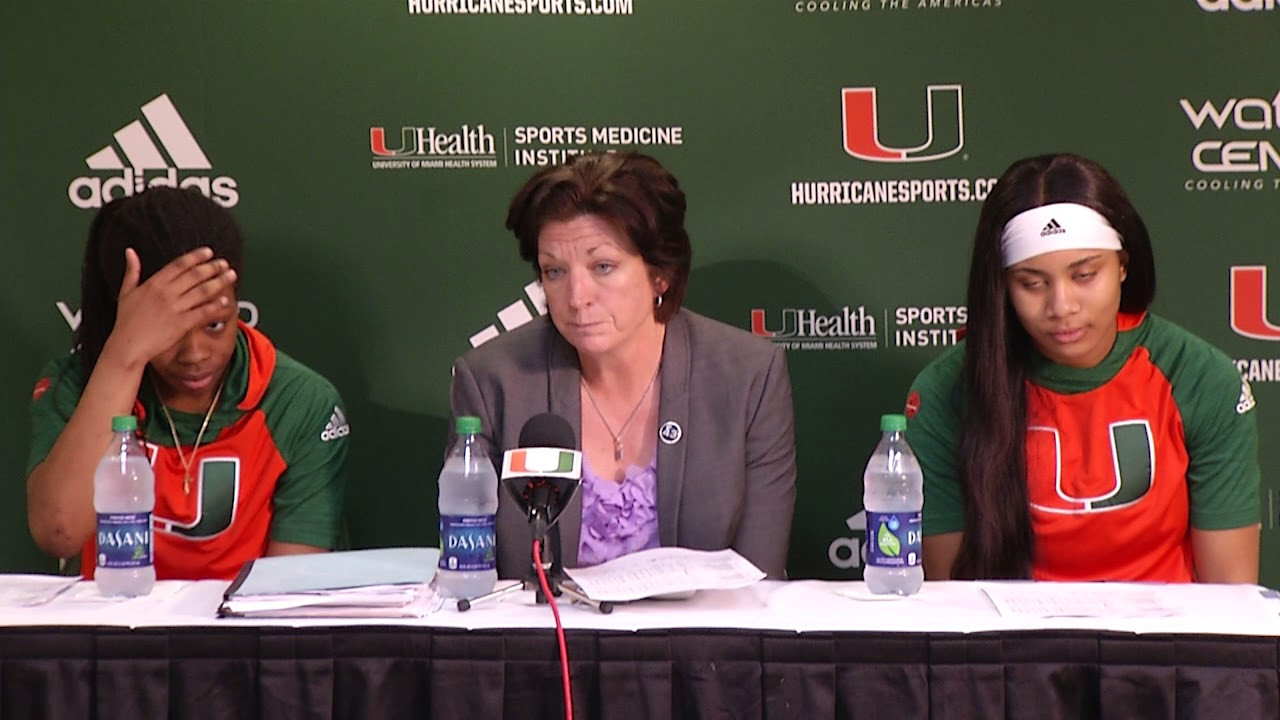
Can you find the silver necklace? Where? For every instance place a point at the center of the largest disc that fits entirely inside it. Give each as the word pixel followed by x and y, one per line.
pixel 617 436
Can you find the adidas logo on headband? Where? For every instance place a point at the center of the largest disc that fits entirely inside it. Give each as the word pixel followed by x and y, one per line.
pixel 1085 229
pixel 1053 228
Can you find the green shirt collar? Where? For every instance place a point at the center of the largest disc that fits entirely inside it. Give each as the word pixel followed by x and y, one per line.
pixel 1065 379
pixel 188 424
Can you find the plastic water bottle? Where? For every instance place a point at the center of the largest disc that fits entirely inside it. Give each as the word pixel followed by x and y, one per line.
pixel 124 495
pixel 893 496
pixel 468 503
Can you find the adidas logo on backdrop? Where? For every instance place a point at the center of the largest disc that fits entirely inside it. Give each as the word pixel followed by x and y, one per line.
pixel 337 426
pixel 147 165
pixel 1244 5
pixel 515 314
pixel 1052 228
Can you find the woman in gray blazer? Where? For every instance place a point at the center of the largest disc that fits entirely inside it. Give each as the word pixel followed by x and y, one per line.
pixel 685 423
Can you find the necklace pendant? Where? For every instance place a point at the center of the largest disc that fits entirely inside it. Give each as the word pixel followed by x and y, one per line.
pixel 186 483
pixel 617 450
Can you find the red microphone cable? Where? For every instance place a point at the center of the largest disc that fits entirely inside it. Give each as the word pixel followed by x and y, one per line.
pixel 564 651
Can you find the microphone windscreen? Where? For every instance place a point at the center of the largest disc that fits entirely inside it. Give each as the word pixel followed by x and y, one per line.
pixel 548 430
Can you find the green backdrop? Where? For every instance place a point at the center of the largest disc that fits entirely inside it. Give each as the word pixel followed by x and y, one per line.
pixel 834 153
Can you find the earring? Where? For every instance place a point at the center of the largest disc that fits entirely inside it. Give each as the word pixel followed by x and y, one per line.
pixel 658 302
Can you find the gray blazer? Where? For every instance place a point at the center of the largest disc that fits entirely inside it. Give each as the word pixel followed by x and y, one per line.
pixel 729 480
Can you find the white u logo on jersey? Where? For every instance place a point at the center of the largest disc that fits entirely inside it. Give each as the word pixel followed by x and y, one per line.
pixel 217 485
pixel 1133 462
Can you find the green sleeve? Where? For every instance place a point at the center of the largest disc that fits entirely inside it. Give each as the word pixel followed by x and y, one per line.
pixel 309 426
pixel 932 433
pixel 1220 426
pixel 54 398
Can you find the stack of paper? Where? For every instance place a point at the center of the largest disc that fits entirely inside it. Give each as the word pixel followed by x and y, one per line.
pixel 1090 600
pixel 665 572
pixel 24 591
pixel 386 582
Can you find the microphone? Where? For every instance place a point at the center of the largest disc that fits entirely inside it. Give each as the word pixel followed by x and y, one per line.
pixel 543 473
pixel 541 476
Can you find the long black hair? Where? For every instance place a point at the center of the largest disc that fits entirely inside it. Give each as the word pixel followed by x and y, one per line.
pixel 991 457
pixel 160 224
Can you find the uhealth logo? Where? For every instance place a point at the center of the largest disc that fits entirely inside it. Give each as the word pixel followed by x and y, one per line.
pixel 148 166
pixel 467 142
pixel 809 329
pixel 861 126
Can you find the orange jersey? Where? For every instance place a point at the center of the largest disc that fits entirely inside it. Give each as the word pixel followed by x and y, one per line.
pixel 1122 459
pixel 271 466
pixel 224 520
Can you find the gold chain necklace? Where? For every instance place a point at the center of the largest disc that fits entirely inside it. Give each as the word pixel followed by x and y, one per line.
pixel 177 444
pixel 617 436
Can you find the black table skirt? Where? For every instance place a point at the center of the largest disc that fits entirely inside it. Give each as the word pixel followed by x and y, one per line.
pixel 412 672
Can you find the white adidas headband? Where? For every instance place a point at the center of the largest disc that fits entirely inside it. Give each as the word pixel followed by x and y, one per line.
pixel 1060 226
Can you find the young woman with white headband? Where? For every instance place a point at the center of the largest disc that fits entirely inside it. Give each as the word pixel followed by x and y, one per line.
pixel 1072 434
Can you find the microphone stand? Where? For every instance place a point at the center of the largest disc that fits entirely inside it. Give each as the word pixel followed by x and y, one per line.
pixel 557 581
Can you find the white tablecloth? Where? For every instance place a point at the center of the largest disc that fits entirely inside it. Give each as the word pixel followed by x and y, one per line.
pixel 800 606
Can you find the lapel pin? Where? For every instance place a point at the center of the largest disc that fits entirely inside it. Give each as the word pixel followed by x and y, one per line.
pixel 670 432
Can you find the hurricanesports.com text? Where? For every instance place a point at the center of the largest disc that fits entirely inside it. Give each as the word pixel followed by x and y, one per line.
pixel 876 192
pixel 520 7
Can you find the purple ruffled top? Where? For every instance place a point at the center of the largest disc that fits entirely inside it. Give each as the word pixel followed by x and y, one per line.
pixel 618 518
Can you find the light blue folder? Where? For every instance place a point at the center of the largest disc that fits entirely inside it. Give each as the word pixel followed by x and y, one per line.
pixel 317 572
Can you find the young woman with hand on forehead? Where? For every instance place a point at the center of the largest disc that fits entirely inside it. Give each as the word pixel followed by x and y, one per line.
pixel 248 446
pixel 1072 434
